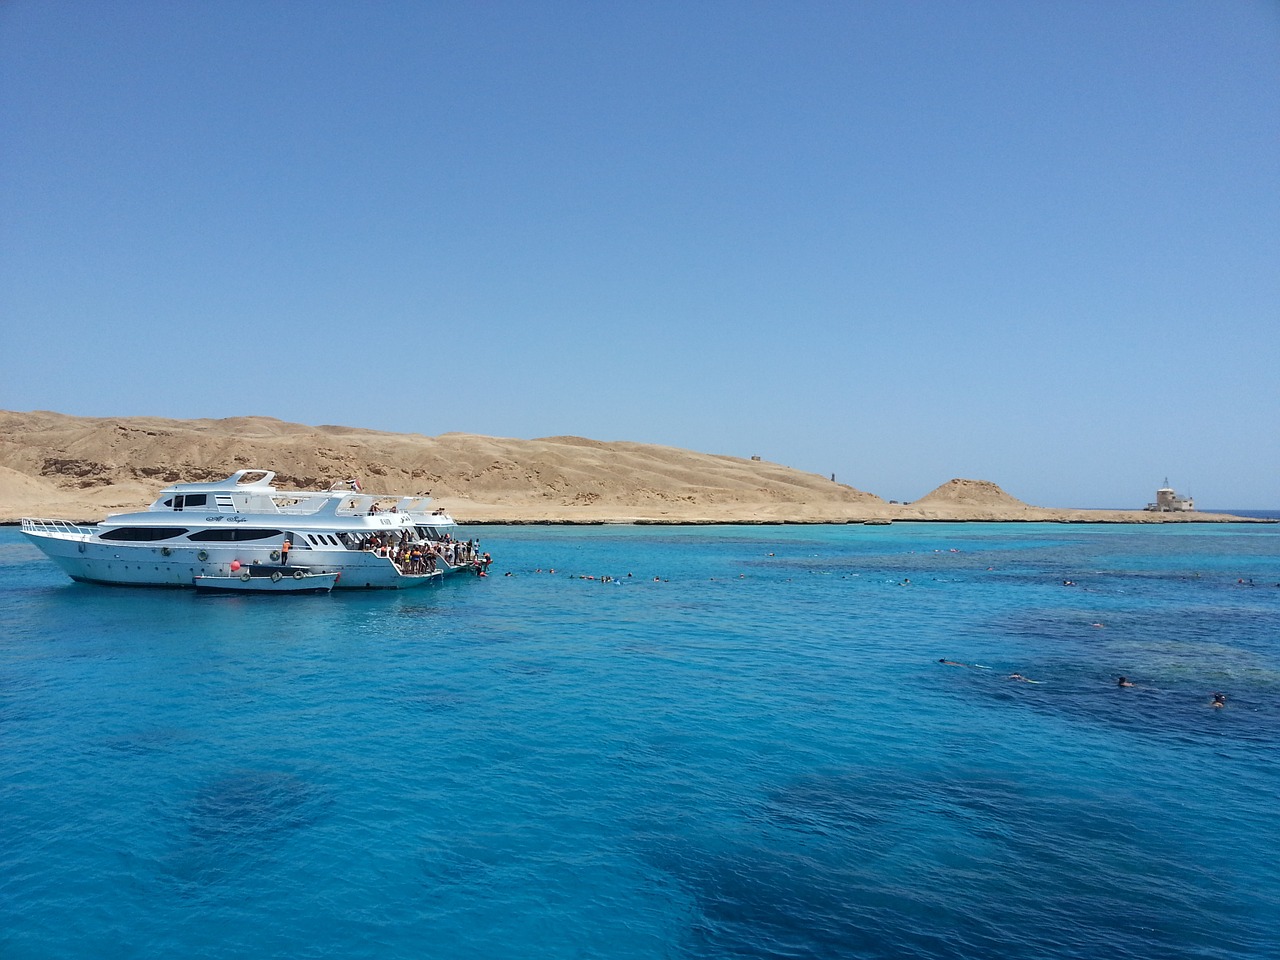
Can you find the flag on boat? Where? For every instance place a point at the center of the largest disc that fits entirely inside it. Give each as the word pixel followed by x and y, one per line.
pixel 354 484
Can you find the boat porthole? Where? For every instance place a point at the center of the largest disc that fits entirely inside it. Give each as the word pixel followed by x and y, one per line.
pixel 275 577
pixel 165 551
pixel 202 556
pixel 275 554
pixel 245 576
pixel 298 574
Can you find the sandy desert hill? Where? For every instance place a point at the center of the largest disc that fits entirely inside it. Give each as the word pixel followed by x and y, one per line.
pixel 52 464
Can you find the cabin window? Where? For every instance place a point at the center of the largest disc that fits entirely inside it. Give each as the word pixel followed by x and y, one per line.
pixel 229 534
pixel 138 534
pixel 187 500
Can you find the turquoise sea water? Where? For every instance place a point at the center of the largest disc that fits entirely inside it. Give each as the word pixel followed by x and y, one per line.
pixel 756 755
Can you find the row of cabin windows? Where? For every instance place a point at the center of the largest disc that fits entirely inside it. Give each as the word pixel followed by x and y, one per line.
pixel 230 535
pixel 233 534
pixel 220 535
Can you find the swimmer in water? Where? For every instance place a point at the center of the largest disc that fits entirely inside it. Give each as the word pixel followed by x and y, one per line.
pixel 1018 676
pixel 1123 682
pixel 1219 701
pixel 951 663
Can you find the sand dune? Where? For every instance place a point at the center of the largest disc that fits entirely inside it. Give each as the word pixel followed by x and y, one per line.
pixel 84 467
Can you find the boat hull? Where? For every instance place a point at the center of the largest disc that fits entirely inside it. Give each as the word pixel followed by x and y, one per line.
pixel 87 560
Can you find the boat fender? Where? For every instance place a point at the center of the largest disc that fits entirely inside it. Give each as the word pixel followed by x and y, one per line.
pixel 202 556
pixel 165 551
pixel 275 576
pixel 298 574
pixel 275 554
pixel 245 576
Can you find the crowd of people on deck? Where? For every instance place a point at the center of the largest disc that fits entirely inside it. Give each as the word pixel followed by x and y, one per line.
pixel 416 557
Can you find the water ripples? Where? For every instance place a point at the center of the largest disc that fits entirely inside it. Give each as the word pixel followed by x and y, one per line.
pixel 754 756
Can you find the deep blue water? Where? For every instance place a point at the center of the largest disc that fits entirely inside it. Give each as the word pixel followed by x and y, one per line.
pixel 756 755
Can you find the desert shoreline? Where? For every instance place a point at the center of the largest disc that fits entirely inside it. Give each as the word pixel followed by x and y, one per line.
pixel 83 469
pixel 463 520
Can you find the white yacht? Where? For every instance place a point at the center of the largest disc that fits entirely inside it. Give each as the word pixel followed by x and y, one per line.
pixel 219 529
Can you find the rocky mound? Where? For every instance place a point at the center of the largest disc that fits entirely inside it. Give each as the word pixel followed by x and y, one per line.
pixel 971 493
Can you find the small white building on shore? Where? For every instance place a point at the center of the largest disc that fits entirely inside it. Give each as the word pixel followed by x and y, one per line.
pixel 1167 501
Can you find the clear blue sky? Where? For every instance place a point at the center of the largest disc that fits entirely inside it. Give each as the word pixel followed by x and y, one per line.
pixel 1033 243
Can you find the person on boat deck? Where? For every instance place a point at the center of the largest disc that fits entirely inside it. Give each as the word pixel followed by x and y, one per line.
pixel 284 550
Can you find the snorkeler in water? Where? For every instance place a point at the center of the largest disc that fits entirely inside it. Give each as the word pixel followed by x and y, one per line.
pixel 1124 682
pixel 1219 701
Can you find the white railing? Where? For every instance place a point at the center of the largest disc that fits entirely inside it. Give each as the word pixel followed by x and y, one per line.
pixel 62 528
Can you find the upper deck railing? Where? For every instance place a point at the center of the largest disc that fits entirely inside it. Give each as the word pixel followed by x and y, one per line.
pixel 60 528
pixel 349 504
